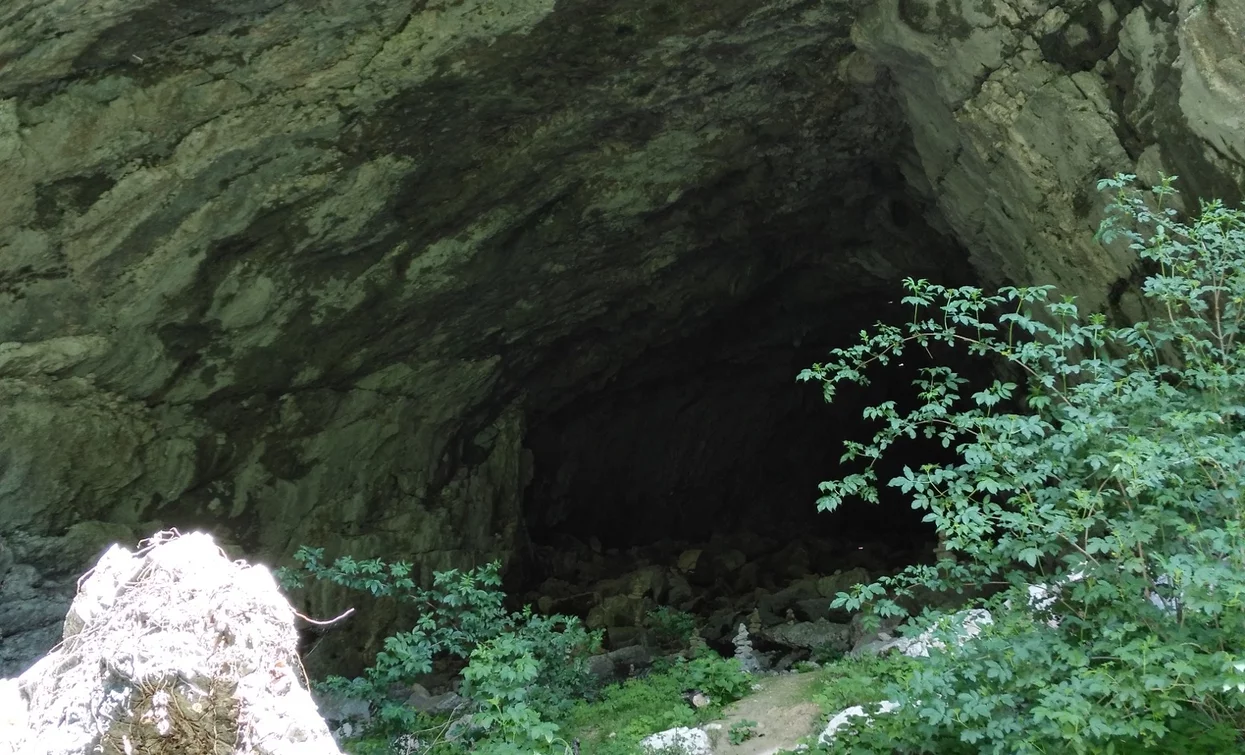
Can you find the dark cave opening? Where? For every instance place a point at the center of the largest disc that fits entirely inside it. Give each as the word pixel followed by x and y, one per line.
pixel 700 463
pixel 694 442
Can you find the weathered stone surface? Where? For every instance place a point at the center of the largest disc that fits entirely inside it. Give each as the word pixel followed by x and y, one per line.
pixel 808 635
pixel 38 577
pixel 299 272
pixel 304 272
pixel 1017 106
pixel 170 649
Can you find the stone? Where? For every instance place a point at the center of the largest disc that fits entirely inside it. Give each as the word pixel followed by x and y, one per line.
pixel 620 637
pixel 678 741
pixel 39 586
pixel 688 560
pixel 813 609
pixel 809 635
pixel 680 594
pixel 963 627
pixel 337 709
pixel 748 578
pixel 843 717
pixel 619 611
pixel 997 129
pixel 6 560
pixel 436 705
pixel 873 642
pixel 731 560
pixel 774 607
pixel 721 624
pixel 173 648
pixel 32 614
pixel 649 581
pixel 13 716
pixel 744 652
pixel 829 587
pixel 621 663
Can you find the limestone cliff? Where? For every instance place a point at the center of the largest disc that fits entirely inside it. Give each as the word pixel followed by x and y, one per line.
pixel 1016 108
pixel 301 272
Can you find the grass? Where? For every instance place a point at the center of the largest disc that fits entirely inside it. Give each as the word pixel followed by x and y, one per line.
pixel 626 713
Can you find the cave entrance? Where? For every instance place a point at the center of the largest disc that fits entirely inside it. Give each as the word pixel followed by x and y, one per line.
pixel 690 480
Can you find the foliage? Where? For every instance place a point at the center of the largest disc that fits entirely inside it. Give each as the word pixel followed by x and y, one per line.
pixel 630 711
pixel 862 680
pixel 521 667
pixel 1117 491
pixel 723 681
pixel 741 731
pixel 827 653
pixel 671 627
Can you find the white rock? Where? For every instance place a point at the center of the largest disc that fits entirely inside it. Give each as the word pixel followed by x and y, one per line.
pixel 841 719
pixel 174 640
pixel 966 624
pixel 680 741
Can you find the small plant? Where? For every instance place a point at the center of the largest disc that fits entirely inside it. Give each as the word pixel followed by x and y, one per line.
pixel 671 627
pixel 741 731
pixel 824 654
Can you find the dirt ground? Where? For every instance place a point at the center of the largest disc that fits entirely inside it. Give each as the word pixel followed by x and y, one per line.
pixel 783 712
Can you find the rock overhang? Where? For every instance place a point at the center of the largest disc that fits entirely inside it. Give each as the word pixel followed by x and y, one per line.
pixel 304 273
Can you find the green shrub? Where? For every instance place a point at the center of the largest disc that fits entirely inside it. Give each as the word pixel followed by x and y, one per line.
pixel 628 712
pixel 1121 485
pixel 741 731
pixel 863 680
pixel 723 681
pixel 671 627
pixel 521 668
pixel 827 653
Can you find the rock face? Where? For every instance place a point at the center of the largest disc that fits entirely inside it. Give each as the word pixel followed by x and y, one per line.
pixel 173 649
pixel 1016 107
pixel 307 272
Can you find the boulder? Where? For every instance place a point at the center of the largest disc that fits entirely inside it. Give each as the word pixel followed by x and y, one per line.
pixel 170 649
pixel 748 578
pixel 813 609
pixel 619 611
pixel 680 594
pixel 688 560
pixel 731 560
pixel 336 708
pixel 841 581
pixel 681 740
pixel 435 705
pixel 841 719
pixel 807 635
pixel 649 581
pixel 620 664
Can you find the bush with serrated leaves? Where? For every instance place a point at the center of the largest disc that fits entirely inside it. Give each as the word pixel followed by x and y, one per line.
pixel 521 667
pixel 1118 487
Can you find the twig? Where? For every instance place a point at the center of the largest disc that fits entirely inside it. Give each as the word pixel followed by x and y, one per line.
pixel 330 622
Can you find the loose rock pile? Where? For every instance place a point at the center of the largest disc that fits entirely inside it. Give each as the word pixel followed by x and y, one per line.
pixel 781 591
pixel 170 649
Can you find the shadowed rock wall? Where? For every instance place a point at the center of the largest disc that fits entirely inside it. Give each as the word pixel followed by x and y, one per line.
pixel 301 272
pixel 1017 107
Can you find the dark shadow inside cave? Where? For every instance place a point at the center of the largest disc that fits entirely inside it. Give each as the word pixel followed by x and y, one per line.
pixel 700 462
pixel 706 440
